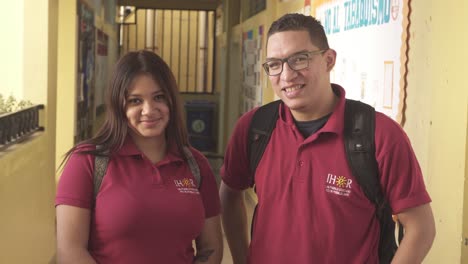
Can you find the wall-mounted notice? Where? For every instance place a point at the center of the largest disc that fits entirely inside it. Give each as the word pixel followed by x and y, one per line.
pixel 102 69
pixel 251 68
pixel 370 39
pixel 307 7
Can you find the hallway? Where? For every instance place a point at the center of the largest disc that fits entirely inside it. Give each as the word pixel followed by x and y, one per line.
pixel 216 164
pixel 59 54
pixel 249 205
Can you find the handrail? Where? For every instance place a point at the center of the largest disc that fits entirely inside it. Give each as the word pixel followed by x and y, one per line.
pixel 17 126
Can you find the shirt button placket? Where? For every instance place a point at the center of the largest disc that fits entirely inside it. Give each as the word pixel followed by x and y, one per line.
pixel 157 179
pixel 299 174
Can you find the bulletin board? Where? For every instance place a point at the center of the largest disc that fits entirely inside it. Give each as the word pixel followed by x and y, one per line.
pixel 86 74
pixel 371 41
pixel 251 68
pixel 102 69
pixel 86 58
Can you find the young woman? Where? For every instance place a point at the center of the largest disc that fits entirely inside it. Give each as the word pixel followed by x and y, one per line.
pixel 149 208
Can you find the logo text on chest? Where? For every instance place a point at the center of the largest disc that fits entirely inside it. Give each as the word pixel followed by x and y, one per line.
pixel 339 185
pixel 186 185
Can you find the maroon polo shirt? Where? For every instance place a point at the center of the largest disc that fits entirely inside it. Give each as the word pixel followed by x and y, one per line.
pixel 144 213
pixel 310 207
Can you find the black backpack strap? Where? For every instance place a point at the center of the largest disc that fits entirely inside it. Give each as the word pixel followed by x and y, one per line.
pixel 100 168
pixel 260 129
pixel 262 124
pixel 359 133
pixel 193 166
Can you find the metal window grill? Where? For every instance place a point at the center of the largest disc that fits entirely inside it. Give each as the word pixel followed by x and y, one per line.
pixel 185 39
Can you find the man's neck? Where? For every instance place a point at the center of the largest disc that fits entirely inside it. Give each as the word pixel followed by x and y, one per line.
pixel 318 109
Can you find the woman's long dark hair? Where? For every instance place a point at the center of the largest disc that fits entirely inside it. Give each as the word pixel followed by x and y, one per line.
pixel 112 134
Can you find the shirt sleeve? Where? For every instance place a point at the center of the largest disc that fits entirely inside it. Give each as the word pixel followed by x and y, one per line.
pixel 208 188
pixel 401 175
pixel 235 171
pixel 75 186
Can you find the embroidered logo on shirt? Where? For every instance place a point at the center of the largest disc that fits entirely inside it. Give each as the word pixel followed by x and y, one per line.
pixel 338 185
pixel 186 185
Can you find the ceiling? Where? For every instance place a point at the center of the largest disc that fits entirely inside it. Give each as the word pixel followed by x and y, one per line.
pixel 172 4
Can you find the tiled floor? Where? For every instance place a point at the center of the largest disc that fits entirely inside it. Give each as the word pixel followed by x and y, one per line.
pixel 227 259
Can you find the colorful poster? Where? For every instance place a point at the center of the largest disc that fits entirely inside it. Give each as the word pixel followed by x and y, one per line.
pixel 86 50
pixel 102 68
pixel 307 7
pixel 86 64
pixel 369 37
pixel 251 68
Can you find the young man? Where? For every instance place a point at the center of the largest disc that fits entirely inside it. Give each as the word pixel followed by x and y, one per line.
pixel 299 218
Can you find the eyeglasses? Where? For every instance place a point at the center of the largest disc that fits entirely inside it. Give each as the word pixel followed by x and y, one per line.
pixel 296 62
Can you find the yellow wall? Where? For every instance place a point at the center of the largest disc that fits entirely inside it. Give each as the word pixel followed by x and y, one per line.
pixel 27 190
pixel 437 114
pixel 27 185
pixel 293 6
pixel 11 45
pixel 465 206
pixel 66 79
pixel 41 57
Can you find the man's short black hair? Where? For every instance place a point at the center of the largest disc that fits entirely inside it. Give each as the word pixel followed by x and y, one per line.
pixel 297 22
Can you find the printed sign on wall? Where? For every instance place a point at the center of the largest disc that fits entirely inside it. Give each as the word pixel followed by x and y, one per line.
pixel 251 68
pixel 370 39
pixel 102 69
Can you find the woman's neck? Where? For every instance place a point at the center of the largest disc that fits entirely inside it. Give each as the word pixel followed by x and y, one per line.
pixel 154 149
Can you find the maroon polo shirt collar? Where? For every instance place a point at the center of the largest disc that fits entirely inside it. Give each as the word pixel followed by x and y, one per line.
pixel 130 149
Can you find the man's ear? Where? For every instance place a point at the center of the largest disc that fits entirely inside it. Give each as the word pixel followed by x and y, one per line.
pixel 330 58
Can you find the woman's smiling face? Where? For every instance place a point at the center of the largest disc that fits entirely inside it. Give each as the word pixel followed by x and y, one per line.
pixel 146 109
